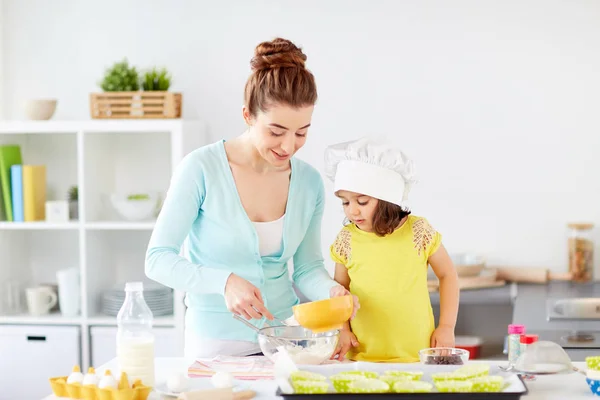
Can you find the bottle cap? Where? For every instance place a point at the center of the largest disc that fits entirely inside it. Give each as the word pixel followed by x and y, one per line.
pixel 134 287
pixel 514 329
pixel 528 339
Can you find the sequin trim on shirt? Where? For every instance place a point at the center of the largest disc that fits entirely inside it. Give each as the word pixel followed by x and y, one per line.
pixel 342 245
pixel 423 235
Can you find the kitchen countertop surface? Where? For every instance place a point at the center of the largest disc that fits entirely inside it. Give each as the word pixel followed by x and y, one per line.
pixel 558 387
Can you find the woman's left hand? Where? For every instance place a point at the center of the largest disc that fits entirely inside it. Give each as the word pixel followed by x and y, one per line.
pixel 339 290
pixel 443 336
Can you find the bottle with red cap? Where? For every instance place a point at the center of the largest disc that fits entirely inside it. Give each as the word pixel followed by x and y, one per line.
pixel 526 340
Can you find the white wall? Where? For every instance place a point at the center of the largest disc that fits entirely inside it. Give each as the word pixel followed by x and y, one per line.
pixel 497 101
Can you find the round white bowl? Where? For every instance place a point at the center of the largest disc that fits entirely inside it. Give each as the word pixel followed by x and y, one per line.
pixel 40 109
pixel 135 209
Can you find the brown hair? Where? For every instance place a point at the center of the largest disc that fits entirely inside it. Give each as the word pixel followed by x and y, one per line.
pixel 387 217
pixel 279 77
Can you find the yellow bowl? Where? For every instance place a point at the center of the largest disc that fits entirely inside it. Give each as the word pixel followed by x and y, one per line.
pixel 324 315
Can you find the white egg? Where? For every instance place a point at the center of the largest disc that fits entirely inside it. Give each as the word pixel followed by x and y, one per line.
pixel 91 378
pixel 178 383
pixel 222 380
pixel 108 381
pixel 75 377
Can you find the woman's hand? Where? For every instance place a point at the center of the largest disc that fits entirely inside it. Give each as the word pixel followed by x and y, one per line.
pixel 347 340
pixel 244 299
pixel 443 336
pixel 339 290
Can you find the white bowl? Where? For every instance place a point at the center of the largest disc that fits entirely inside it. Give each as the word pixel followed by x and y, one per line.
pixel 40 109
pixel 468 264
pixel 134 208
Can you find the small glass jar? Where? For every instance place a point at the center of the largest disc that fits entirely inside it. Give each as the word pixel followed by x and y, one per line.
pixel 526 340
pixel 581 252
pixel 514 342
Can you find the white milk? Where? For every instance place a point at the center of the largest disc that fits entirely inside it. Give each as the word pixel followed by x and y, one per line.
pixel 136 359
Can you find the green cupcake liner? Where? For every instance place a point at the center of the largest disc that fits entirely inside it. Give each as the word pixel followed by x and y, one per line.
pixel 412 387
pixel 368 385
pixel 310 387
pixel 413 375
pixel 306 376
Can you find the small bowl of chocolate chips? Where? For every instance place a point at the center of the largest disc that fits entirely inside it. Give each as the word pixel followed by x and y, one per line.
pixel 444 356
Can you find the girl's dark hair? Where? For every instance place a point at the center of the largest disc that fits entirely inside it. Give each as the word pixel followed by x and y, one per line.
pixel 279 77
pixel 387 217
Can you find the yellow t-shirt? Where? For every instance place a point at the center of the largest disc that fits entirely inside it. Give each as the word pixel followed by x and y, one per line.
pixel 389 276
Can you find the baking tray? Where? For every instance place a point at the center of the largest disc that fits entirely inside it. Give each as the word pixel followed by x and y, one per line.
pixel 514 391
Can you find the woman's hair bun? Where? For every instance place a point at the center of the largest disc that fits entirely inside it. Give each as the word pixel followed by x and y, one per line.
pixel 277 53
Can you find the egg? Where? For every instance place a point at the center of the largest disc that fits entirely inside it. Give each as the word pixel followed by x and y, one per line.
pixel 91 378
pixel 178 383
pixel 222 380
pixel 108 381
pixel 76 376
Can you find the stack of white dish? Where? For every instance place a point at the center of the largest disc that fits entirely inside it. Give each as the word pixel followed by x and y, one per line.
pixel 158 297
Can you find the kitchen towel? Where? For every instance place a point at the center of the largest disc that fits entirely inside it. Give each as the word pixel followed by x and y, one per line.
pixel 242 368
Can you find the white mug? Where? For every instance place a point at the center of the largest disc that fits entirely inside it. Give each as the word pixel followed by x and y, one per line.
pixel 40 300
pixel 68 291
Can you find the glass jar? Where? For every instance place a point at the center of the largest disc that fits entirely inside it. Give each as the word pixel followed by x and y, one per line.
pixel 581 252
pixel 514 342
pixel 526 340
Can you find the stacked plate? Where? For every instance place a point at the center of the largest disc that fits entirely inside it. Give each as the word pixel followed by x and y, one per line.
pixel 158 297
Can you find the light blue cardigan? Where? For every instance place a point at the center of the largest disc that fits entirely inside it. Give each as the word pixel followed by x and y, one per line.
pixel 203 206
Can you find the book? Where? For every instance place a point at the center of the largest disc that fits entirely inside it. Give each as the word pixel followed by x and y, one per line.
pixel 34 192
pixel 16 183
pixel 9 156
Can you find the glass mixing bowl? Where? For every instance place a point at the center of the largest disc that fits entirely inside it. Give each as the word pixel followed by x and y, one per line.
pixel 444 356
pixel 302 345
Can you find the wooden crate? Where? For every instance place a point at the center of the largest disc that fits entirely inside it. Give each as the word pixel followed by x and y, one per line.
pixel 141 104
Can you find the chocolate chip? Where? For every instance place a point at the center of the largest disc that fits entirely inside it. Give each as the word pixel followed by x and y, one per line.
pixel 453 359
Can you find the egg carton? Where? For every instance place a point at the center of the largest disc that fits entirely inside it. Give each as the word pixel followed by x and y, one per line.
pixel 137 391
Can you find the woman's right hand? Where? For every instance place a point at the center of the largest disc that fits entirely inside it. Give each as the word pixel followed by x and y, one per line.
pixel 244 299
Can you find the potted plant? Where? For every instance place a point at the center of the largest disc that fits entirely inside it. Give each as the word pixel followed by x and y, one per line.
pixel 122 96
pixel 73 198
pixel 121 77
pixel 156 80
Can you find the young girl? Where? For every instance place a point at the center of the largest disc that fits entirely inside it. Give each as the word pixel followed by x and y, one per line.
pixel 382 256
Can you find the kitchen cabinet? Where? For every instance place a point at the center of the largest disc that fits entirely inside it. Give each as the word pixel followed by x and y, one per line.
pixel 100 157
pixel 31 354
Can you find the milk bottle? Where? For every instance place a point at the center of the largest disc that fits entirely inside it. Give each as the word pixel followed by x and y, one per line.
pixel 135 339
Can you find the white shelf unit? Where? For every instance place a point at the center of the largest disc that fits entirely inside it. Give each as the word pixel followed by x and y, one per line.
pixel 101 157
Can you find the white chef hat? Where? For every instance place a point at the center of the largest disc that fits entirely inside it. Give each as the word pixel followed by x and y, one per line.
pixel 370 168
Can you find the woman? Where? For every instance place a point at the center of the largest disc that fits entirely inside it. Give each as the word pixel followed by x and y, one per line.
pixel 247 207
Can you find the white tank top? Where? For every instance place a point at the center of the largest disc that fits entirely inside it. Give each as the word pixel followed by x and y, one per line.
pixel 270 236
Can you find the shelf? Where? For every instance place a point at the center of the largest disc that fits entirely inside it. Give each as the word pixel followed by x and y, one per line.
pixel 98 226
pixel 48 319
pixel 41 225
pixel 97 126
pixel 107 320
pixel 119 225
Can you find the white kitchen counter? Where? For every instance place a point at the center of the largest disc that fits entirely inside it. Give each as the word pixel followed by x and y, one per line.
pixel 558 387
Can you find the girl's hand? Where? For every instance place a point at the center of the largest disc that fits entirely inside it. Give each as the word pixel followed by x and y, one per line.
pixel 443 336
pixel 339 290
pixel 347 340
pixel 243 298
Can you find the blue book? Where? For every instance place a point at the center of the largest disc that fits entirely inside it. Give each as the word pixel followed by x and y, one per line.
pixel 16 181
